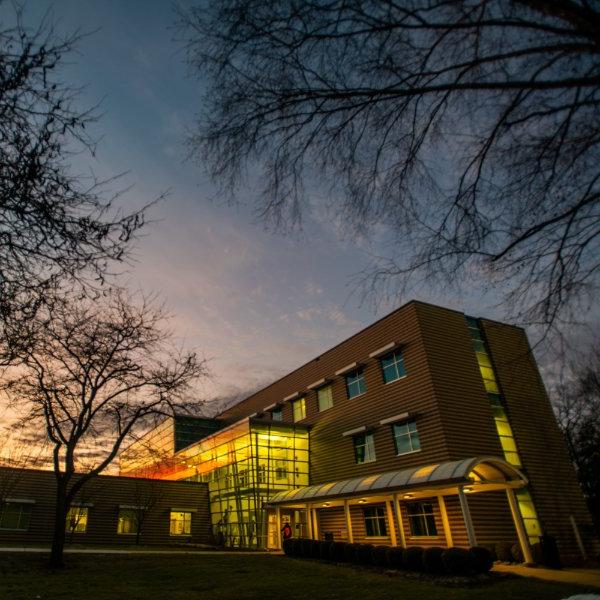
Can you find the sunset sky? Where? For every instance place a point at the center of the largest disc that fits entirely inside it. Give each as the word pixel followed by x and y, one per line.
pixel 257 304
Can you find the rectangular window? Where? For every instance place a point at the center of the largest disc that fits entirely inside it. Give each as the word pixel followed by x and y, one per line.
pixel 375 522
pixel 392 367
pixel 77 519
pixel 299 409
pixel 15 515
pixel 180 523
pixel 364 448
pixel 277 414
pixel 406 437
pixel 355 383
pixel 325 398
pixel 421 519
pixel 128 521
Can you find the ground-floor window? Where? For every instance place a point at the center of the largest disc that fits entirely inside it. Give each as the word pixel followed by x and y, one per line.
pixel 375 521
pixel 128 521
pixel 421 519
pixel 15 515
pixel 77 519
pixel 181 523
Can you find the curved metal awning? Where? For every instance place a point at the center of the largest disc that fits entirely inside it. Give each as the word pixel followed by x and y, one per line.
pixel 481 473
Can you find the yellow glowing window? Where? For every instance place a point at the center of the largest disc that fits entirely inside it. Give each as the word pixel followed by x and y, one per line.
pixel 508 444
pixel 513 458
pixel 128 521
pixel 77 519
pixel 503 428
pixel 180 522
pixel 491 386
pixel 299 409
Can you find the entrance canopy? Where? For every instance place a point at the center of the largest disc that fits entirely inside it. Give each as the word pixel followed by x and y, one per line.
pixel 471 474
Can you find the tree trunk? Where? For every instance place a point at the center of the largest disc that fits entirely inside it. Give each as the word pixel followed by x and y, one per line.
pixel 60 525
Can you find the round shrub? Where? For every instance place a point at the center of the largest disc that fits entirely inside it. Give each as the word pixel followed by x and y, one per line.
pixel 481 559
pixel 491 548
pixel 306 548
pixel 503 552
pixel 336 551
pixel 550 554
pixel 324 547
pixel 457 561
pixel 288 546
pixel 413 558
pixel 379 556
pixel 432 560
pixel 395 558
pixel 363 554
pixel 516 553
pixel 350 553
pixel 315 549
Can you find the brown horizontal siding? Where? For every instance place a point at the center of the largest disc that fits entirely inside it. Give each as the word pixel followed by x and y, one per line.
pixel 492 519
pixel 553 483
pixel 106 493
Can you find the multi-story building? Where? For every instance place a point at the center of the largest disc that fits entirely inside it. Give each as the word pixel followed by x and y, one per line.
pixel 426 428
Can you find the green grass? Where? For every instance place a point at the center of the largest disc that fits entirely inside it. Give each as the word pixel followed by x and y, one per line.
pixel 138 577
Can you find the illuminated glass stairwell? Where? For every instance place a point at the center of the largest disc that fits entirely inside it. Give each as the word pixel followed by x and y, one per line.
pixel 503 428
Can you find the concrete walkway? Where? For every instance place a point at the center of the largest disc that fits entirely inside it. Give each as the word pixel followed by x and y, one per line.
pixel 585 577
pixel 133 551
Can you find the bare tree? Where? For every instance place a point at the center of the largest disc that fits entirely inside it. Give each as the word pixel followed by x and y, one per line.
pixel 466 131
pixel 577 405
pixel 96 374
pixel 54 224
pixel 147 493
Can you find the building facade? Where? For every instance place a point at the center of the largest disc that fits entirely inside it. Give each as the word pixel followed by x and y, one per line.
pixel 109 510
pixel 426 428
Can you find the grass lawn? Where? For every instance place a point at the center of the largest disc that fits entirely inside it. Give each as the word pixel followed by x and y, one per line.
pixel 168 577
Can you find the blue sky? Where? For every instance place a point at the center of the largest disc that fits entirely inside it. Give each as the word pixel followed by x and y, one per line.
pixel 256 304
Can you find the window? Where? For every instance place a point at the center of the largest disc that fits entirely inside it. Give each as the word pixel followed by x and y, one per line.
pixel 77 519
pixel 128 521
pixel 375 521
pixel 355 383
pixel 299 409
pixel 15 515
pixel 277 414
pixel 325 398
pixel 392 367
pixel 421 519
pixel 364 448
pixel 180 522
pixel 406 437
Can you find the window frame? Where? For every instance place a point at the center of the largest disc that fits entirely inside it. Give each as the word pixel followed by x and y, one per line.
pixel 395 364
pixel 299 402
pixel 368 444
pixel 279 412
pixel 319 391
pixel 82 511
pixel 425 518
pixel 360 381
pixel 377 522
pixel 187 523
pixel 408 434
pixel 132 511
pixel 27 513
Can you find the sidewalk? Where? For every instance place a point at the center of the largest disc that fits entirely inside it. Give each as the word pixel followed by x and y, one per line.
pixel 586 577
pixel 131 551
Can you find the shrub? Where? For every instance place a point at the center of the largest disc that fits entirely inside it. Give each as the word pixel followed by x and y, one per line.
pixel 395 558
pixel 363 554
pixel 306 547
pixel 503 552
pixel 315 549
pixel 432 560
pixel 350 553
pixel 413 558
pixel 550 555
pixel 517 553
pixel 288 546
pixel 491 548
pixel 337 551
pixel 481 559
pixel 324 550
pixel 379 556
pixel 457 561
